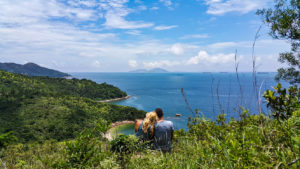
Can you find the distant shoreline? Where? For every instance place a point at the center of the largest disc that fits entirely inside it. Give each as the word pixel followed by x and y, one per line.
pixel 114 100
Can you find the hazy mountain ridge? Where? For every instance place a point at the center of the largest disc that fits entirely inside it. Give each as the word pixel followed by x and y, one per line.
pixel 155 70
pixel 31 69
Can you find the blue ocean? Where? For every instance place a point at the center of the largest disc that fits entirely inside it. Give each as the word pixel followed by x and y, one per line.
pixel 210 93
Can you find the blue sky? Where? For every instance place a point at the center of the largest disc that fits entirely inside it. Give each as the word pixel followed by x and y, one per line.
pixel 124 35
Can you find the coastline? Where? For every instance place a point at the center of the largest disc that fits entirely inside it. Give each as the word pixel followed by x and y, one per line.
pixel 114 100
pixel 108 134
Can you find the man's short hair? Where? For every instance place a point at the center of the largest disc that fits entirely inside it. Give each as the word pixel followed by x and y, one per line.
pixel 159 112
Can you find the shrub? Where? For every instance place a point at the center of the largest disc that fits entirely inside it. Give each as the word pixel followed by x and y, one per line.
pixel 87 149
pixel 283 102
pixel 7 138
pixel 124 144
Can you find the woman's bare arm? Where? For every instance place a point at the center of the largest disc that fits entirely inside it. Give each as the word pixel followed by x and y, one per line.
pixel 137 125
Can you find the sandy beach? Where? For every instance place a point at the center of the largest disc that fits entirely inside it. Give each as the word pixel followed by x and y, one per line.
pixel 116 124
pixel 114 100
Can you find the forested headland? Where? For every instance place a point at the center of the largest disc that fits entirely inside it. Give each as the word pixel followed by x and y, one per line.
pixel 43 108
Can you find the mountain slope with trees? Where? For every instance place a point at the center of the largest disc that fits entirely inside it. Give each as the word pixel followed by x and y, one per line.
pixel 43 108
pixel 31 69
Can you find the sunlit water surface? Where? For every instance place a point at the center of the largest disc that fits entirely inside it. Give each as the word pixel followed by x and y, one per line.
pixel 211 93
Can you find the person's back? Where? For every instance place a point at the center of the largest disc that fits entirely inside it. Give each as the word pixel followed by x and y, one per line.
pixel 163 135
pixel 144 130
pixel 141 134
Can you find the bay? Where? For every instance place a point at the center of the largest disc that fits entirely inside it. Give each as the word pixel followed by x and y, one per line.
pixel 211 93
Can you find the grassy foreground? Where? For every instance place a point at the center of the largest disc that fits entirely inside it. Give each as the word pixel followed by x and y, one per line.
pixel 254 141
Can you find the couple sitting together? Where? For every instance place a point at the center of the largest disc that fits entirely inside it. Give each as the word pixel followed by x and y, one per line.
pixel 156 130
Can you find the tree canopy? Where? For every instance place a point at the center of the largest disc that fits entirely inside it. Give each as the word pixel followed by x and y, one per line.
pixel 43 108
pixel 284 22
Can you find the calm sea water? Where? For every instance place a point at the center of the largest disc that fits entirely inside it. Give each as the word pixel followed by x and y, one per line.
pixel 211 93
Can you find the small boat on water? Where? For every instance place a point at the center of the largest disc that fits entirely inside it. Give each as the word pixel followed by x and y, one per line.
pixel 178 115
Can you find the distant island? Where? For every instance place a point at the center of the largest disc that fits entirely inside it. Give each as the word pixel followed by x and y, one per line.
pixel 31 69
pixel 155 70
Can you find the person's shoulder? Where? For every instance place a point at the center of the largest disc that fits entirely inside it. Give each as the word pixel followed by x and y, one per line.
pixel 164 123
pixel 138 123
pixel 169 122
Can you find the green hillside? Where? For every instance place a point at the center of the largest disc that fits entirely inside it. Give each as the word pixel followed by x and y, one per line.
pixel 56 123
pixel 42 108
pixel 31 69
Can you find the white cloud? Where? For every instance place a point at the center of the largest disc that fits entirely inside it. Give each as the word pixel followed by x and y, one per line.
pixel 134 32
pixel 162 27
pixel 142 7
pixel 176 49
pixel 195 36
pixel 33 11
pixel 154 8
pixel 96 64
pixel 221 45
pixel 260 44
pixel 38 39
pixel 116 11
pixel 48 33
pixel 220 7
pixel 114 20
pixel 56 64
pixel 167 3
pixel 87 3
pixel 92 53
pixel 161 64
pixel 132 63
pixel 204 58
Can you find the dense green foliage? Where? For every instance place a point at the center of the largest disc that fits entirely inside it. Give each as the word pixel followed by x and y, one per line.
pixel 254 141
pixel 284 22
pixel 7 138
pixel 31 69
pixel 42 108
pixel 124 144
pixel 84 150
pixel 283 102
pixel 14 88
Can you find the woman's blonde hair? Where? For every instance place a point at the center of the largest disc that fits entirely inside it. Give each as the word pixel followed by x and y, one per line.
pixel 151 119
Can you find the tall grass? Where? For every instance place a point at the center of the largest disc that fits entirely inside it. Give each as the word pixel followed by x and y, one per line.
pixel 255 141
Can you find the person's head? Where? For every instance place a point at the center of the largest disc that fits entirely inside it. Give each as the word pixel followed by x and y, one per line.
pixel 151 119
pixel 159 112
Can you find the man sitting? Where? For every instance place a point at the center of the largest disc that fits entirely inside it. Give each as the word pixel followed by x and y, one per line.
pixel 163 134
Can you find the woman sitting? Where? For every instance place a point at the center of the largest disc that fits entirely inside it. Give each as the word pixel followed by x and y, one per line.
pixel 145 129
